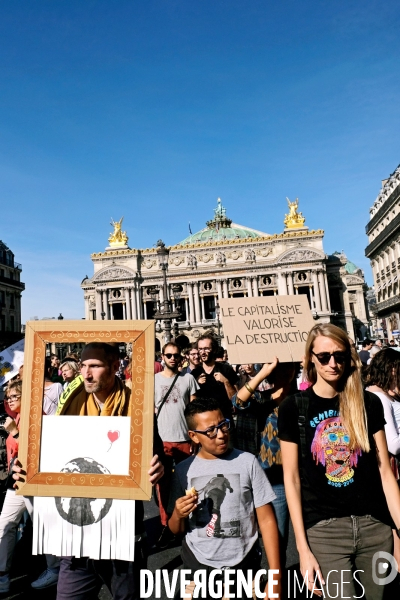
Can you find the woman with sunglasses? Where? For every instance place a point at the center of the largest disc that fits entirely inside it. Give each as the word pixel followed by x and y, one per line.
pixel 339 485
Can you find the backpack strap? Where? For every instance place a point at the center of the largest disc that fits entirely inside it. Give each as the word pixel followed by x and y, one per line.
pixel 302 403
pixel 166 395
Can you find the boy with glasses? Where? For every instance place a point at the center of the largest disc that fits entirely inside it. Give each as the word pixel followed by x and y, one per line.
pixel 218 496
pixel 172 392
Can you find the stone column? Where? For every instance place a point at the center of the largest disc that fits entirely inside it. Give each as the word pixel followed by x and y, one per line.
pixel 249 287
pixel 144 310
pixel 290 284
pixel 87 311
pixel 203 312
pixel 282 289
pixel 98 305
pixel 192 314
pixel 187 309
pixel 255 287
pixel 197 302
pixel 320 277
pixel 128 304
pixel 139 303
pixel 225 288
pixel 325 282
pixel 311 297
pixel 316 291
pixel 219 288
pixel 133 302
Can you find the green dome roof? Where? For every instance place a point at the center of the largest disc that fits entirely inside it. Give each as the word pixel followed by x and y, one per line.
pixel 221 228
pixel 349 266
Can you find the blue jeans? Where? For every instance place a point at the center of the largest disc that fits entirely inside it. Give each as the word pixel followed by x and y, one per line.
pixel 281 509
pixel 282 518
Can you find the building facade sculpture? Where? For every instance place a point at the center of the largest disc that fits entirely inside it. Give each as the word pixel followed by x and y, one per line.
pixel 383 250
pixel 11 288
pixel 227 260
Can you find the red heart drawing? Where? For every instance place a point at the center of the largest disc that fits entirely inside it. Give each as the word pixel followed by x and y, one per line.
pixel 113 436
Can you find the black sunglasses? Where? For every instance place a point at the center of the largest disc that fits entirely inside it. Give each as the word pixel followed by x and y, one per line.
pixel 325 357
pixel 212 432
pixel 169 355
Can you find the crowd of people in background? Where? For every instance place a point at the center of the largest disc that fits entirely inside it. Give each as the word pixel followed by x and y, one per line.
pixel 267 419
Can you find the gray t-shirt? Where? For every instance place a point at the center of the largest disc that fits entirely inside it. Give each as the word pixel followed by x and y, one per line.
pixel 171 422
pixel 223 528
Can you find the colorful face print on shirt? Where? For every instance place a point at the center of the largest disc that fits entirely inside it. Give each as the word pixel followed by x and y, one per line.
pixel 330 447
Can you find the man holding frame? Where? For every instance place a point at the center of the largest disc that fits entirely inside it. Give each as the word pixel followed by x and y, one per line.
pixel 101 394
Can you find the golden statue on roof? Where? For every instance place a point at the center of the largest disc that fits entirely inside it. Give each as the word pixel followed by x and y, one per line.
pixel 294 220
pixel 118 238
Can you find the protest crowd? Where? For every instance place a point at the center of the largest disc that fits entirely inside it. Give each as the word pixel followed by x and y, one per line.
pixel 240 452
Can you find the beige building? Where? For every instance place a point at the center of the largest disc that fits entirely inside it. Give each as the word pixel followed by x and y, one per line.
pixel 226 260
pixel 383 250
pixel 11 289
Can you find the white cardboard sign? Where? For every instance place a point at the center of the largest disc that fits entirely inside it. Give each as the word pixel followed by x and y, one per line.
pixel 92 527
pixel 258 329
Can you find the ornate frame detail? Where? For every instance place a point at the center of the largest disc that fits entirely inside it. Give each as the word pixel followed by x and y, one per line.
pixel 135 486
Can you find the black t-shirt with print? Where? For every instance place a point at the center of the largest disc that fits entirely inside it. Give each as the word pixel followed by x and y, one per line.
pixel 215 389
pixel 335 481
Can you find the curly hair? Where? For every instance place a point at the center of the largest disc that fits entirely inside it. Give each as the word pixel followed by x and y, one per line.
pixel 384 369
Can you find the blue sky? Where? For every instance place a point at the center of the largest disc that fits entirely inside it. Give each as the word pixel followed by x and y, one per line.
pixel 153 109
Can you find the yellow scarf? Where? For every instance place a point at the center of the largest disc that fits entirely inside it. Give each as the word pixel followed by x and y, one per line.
pixel 76 401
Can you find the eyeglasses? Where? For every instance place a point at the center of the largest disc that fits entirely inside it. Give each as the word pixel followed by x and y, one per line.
pixel 212 432
pixel 169 355
pixel 325 357
pixel 11 399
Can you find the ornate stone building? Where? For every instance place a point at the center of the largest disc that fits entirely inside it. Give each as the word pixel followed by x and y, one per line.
pixel 383 250
pixel 10 297
pixel 226 259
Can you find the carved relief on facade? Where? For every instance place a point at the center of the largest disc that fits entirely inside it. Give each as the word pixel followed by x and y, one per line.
pixel 178 260
pixel 354 280
pixel 250 255
pixel 92 302
pixel 220 259
pixel 301 277
pixel 149 263
pixel 300 255
pixel 114 273
pixel 205 257
pixel 234 255
pixel 264 252
pixel 191 261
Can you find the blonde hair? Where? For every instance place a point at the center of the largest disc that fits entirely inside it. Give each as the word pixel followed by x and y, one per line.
pixel 351 393
pixel 14 385
pixel 71 364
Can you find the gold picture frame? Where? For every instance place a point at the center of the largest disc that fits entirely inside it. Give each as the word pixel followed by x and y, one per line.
pixel 136 486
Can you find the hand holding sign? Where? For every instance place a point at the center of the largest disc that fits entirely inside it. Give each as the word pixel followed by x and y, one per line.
pixel 112 436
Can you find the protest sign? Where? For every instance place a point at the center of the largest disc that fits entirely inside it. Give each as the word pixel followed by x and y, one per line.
pixel 11 359
pixel 93 527
pixel 258 329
